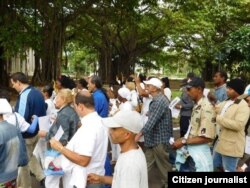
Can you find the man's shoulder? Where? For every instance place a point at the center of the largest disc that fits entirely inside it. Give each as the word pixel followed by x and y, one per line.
pixel 7 130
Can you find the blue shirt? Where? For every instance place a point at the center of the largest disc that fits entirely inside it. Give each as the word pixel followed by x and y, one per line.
pixel 221 93
pixel 101 103
pixel 158 128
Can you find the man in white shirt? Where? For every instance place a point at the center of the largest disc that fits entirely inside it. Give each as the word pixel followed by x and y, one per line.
pixel 131 168
pixel 86 151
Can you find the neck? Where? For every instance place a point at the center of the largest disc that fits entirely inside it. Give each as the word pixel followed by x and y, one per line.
pixel 87 111
pixel 24 86
pixel 234 97
pixel 128 145
pixel 219 84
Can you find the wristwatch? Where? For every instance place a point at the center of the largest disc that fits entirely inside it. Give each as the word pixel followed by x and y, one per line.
pixel 184 141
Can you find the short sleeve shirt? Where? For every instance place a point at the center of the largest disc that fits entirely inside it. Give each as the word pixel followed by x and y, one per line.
pixel 203 119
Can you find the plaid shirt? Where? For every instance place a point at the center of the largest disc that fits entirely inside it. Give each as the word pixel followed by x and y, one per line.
pixel 158 128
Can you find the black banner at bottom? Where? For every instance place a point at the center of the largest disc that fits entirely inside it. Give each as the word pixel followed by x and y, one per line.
pixel 208 179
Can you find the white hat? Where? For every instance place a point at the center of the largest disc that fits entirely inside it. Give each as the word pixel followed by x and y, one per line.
pixel 130 120
pixel 155 82
pixel 5 106
pixel 125 93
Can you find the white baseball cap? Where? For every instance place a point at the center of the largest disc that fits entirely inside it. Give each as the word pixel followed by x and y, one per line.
pixel 5 106
pixel 125 93
pixel 130 120
pixel 155 82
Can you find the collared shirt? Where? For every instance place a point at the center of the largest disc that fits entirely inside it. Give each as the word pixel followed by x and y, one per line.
pixel 221 93
pixel 203 119
pixel 101 103
pixel 158 128
pixel 93 135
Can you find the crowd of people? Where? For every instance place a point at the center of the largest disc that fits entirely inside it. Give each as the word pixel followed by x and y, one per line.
pixel 131 118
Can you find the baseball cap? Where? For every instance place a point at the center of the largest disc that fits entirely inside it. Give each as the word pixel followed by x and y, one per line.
pixel 5 106
pixel 196 82
pixel 130 120
pixel 125 93
pixel 155 82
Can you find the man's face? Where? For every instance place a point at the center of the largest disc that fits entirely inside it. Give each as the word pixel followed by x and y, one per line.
pixel 150 89
pixel 117 135
pixel 217 78
pixel 193 92
pixel 91 86
pixel 16 85
pixel 231 93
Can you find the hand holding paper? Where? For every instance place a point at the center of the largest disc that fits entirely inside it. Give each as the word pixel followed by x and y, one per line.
pixel 59 133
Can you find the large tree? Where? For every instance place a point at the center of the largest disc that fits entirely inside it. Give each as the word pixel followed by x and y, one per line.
pixel 42 26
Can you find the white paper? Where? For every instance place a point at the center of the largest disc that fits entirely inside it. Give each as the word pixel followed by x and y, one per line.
pixel 175 101
pixel 59 133
pixel 205 92
pixel 247 148
pixel 44 123
pixel 175 111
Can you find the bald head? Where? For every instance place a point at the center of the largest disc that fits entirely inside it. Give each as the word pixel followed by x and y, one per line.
pixel 85 93
pixel 85 98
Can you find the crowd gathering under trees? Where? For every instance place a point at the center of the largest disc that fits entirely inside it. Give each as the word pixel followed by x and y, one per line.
pixel 111 37
pixel 114 39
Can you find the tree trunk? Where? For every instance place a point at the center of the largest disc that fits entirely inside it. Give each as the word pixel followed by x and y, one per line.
pixel 3 69
pixel 50 55
pixel 207 71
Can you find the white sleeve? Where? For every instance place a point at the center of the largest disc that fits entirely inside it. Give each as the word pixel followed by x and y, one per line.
pixel 23 125
pixel 134 100
pixel 167 93
pixel 12 118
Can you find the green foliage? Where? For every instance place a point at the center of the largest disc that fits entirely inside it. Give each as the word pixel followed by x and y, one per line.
pixel 237 51
pixel 175 35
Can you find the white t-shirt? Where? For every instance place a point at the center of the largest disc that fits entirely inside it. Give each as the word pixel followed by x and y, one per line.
pixel 11 118
pixel 114 107
pixel 51 107
pixel 131 170
pixel 167 93
pixel 126 106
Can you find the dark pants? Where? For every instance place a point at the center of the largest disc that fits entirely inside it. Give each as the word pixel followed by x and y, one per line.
pixel 184 123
